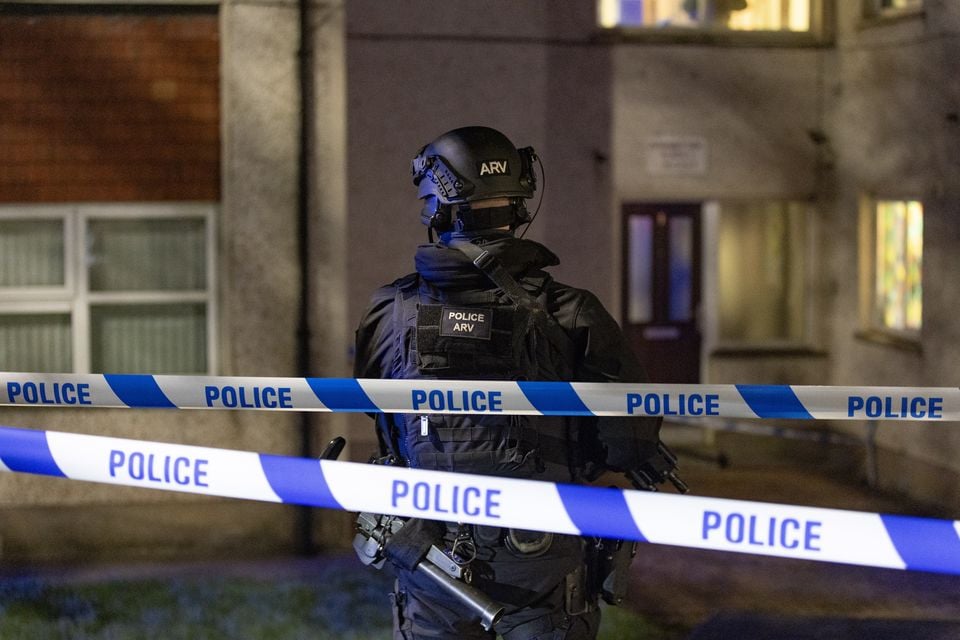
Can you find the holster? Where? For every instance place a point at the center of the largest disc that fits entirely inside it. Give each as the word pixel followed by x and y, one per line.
pixel 608 566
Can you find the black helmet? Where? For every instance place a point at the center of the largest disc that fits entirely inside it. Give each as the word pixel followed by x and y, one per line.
pixel 470 164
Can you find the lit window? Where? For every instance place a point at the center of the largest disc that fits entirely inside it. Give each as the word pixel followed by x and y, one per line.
pixel 762 273
pixel 735 15
pixel 111 288
pixel 898 254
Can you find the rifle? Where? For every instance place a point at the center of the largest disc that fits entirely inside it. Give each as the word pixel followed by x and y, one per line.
pixel 372 544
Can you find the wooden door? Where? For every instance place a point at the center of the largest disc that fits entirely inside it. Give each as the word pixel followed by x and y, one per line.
pixel 661 292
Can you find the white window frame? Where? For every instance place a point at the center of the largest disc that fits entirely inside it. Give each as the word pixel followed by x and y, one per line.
pixel 75 298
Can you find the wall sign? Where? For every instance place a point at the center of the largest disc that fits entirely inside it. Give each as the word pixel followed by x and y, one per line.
pixel 676 155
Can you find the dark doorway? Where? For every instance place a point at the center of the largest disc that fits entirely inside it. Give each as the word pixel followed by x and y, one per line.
pixel 661 288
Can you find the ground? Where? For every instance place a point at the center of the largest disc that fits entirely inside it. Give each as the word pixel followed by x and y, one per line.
pixel 692 586
pixel 674 592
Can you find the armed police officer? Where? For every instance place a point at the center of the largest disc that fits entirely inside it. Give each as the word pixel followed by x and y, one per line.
pixel 522 325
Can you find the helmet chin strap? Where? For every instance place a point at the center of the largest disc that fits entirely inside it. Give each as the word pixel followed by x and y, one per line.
pixel 441 218
pixel 473 219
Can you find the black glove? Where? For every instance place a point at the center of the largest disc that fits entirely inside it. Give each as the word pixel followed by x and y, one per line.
pixel 657 469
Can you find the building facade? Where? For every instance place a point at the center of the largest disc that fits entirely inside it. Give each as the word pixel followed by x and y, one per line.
pixel 743 191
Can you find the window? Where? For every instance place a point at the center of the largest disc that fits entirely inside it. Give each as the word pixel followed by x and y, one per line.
pixel 734 15
pixel 892 266
pixel 107 288
pixel 761 272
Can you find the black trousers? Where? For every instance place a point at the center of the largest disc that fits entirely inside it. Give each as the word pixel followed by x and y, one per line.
pixel 532 590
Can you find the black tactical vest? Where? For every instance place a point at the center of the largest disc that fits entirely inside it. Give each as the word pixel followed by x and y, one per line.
pixel 482 335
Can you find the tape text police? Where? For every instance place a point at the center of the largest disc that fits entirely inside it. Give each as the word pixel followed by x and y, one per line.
pixel 159 468
pixel 248 397
pixel 454 401
pixel 916 407
pixel 49 393
pixel 682 404
pixel 449 498
pixel 761 530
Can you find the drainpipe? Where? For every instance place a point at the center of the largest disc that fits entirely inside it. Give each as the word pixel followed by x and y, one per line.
pixel 870 462
pixel 304 521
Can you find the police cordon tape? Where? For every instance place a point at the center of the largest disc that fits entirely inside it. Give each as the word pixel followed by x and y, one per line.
pixel 786 531
pixel 479 397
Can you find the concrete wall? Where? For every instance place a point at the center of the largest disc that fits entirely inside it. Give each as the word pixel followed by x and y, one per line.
pixel 753 108
pixel 892 102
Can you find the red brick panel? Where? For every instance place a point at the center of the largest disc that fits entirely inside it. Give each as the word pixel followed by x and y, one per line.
pixel 119 107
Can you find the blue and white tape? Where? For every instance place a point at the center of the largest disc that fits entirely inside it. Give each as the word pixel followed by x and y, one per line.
pixel 480 396
pixel 779 530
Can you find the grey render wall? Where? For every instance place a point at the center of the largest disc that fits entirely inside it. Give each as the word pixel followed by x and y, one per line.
pixel 754 108
pixel 892 99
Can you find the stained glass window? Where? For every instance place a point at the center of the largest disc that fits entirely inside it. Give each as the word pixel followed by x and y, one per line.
pixel 899 264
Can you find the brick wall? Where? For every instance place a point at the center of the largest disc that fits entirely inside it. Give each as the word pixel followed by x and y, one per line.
pixel 109 107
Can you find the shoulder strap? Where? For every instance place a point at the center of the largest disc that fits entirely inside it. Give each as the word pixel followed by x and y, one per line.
pixel 404 303
pixel 498 274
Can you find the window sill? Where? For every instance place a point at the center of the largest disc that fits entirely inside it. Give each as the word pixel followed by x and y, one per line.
pixel 890 18
pixel 710 37
pixel 887 339
pixel 767 352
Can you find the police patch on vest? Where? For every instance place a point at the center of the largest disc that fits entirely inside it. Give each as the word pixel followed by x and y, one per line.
pixel 494 168
pixel 458 322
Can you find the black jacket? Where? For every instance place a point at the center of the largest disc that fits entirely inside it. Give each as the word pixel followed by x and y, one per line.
pixel 601 352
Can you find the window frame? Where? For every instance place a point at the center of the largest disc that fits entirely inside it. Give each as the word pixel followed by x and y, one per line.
pixel 871 328
pixel 75 298
pixel 820 33
pixel 43 292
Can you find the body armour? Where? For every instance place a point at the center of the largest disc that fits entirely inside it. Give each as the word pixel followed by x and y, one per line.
pixel 450 321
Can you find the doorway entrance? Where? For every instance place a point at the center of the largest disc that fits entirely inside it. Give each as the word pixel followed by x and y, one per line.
pixel 661 288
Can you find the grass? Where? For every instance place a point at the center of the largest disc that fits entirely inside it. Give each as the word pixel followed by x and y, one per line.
pixel 333 604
